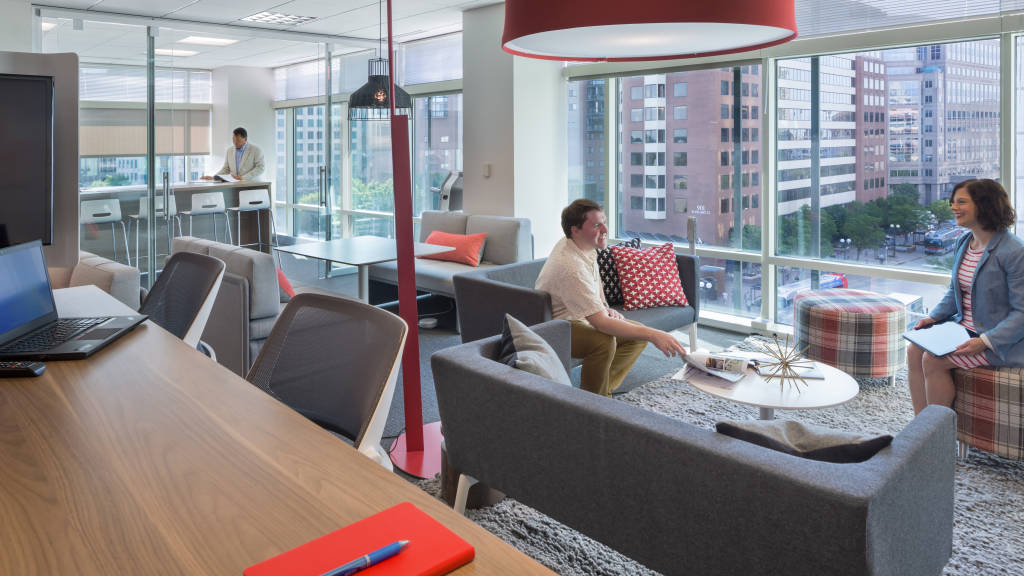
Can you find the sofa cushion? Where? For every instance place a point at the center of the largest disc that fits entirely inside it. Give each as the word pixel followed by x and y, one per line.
pixel 450 222
pixel 469 248
pixel 192 244
pixel 666 318
pixel 260 328
pixel 649 277
pixel 609 276
pixel 434 276
pixel 806 440
pixel 259 269
pixel 508 239
pixel 522 348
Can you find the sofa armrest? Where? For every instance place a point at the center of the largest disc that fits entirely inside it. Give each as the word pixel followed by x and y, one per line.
pixel 688 266
pixel 227 330
pixel 483 303
pixel 114 278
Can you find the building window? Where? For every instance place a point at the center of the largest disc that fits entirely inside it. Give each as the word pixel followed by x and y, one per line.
pixel 725 181
pixel 636 159
pixel 679 182
pixel 679 113
pixel 679 158
pixel 679 204
pixel 679 136
pixel 725 87
pixel 725 134
pixel 679 89
pixel 636 92
pixel 636 114
pixel 636 137
pixel 636 180
pixel 725 112
pixel 724 206
pixel 636 202
pixel 725 158
pixel 654 113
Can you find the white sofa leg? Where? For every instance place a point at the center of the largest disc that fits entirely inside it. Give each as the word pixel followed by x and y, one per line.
pixel 892 380
pixel 462 493
pixel 693 337
pixel 961 450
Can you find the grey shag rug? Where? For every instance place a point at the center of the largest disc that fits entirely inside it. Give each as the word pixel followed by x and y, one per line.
pixel 988 518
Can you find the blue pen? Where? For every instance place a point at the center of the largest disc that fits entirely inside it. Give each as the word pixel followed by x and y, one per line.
pixel 363 562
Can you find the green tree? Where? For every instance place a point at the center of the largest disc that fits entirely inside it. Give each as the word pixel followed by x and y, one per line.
pixel 794 233
pixel 909 190
pixel 864 230
pixel 751 237
pixel 373 195
pixel 941 210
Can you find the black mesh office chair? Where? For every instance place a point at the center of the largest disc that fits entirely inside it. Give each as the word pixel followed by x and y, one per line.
pixel 335 361
pixel 183 295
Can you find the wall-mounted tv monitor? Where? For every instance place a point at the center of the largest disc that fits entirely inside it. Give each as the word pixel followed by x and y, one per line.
pixel 26 147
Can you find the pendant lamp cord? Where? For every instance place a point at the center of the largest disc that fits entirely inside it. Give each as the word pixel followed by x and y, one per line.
pixel 380 33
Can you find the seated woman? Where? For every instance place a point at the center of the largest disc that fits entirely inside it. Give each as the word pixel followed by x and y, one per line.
pixel 986 295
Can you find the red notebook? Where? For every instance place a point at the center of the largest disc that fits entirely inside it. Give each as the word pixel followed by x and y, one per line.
pixel 433 549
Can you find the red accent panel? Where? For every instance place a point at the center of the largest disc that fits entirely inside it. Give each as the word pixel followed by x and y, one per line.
pixel 525 17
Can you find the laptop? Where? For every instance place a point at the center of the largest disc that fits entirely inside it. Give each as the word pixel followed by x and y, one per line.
pixel 29 327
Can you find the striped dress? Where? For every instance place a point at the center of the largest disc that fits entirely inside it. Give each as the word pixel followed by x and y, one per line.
pixel 964 276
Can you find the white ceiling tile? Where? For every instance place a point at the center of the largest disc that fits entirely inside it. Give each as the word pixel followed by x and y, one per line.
pixel 142 7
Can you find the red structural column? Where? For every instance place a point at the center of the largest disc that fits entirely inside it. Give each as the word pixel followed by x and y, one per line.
pixel 418 450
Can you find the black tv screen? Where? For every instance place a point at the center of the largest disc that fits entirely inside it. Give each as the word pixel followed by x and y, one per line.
pixel 26 145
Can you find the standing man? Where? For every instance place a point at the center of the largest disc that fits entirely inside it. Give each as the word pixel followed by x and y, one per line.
pixel 608 343
pixel 243 161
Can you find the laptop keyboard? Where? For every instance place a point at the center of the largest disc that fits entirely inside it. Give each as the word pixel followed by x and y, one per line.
pixel 52 336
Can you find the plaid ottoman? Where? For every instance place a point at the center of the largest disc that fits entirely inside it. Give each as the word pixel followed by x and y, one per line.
pixel 989 409
pixel 857 331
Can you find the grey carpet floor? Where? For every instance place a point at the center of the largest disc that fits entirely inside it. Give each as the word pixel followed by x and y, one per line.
pixel 988 531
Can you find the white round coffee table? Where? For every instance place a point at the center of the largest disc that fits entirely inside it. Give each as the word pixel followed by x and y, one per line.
pixel 755 390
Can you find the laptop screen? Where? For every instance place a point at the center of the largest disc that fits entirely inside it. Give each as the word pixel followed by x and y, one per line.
pixel 25 294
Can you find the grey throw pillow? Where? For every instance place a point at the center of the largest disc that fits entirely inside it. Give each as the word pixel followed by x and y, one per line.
pixel 806 440
pixel 522 348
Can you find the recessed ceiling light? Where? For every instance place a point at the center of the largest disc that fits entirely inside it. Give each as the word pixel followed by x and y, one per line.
pixel 278 18
pixel 174 52
pixel 47 26
pixel 207 41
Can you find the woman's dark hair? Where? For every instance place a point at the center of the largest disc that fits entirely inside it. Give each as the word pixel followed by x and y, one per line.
pixel 993 203
pixel 575 214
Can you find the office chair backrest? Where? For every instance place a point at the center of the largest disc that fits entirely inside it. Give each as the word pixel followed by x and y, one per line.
pixel 335 361
pixel 256 199
pixel 183 295
pixel 100 211
pixel 207 203
pixel 159 203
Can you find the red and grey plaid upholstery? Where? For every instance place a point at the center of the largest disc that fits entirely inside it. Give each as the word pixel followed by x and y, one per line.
pixel 857 331
pixel 989 409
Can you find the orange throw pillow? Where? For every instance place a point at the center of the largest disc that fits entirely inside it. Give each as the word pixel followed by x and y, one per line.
pixel 469 248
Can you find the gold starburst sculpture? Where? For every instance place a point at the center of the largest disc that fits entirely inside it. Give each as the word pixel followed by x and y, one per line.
pixel 784 361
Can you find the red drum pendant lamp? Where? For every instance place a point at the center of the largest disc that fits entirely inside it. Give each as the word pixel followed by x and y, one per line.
pixel 617 31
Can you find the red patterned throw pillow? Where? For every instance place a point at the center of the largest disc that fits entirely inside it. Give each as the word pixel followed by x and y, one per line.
pixel 649 277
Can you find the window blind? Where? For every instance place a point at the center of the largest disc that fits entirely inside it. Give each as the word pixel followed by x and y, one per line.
pixel 817 18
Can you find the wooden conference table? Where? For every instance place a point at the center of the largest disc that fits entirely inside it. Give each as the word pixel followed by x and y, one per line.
pixel 360 251
pixel 148 458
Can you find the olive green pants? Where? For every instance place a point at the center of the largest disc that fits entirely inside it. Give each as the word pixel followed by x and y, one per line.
pixel 606 359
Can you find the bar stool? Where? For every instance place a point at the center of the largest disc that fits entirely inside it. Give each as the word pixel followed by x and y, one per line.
pixel 106 211
pixel 255 201
pixel 211 203
pixel 144 215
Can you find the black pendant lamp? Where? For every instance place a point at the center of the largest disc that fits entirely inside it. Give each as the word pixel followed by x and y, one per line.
pixel 370 101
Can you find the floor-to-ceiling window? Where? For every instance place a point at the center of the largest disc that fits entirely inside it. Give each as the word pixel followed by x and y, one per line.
pixel 826 168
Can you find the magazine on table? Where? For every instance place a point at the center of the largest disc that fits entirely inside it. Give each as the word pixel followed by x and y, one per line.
pixel 721 364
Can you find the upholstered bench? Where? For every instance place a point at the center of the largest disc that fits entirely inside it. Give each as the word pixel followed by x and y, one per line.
pixel 989 410
pixel 857 331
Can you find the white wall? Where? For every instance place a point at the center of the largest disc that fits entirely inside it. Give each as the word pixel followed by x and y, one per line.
pixel 15 25
pixel 242 96
pixel 487 114
pixel 514 114
pixel 541 149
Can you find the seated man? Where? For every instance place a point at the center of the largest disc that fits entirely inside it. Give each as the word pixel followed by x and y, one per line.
pixel 608 343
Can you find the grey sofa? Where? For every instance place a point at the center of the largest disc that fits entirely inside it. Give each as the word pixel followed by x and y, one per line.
pixel 508 240
pixel 485 296
pixel 118 280
pixel 247 305
pixel 687 500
